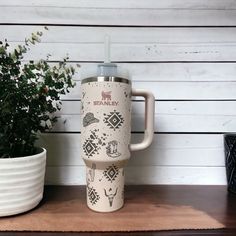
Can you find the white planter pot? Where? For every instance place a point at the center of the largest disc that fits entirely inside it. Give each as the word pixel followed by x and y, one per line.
pixel 21 183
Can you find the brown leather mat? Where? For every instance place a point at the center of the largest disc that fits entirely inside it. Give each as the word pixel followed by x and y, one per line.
pixel 63 211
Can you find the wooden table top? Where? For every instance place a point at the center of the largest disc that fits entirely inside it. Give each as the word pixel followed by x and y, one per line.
pixel 214 200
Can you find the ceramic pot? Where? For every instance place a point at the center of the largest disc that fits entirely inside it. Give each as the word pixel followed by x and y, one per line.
pixel 230 160
pixel 21 183
pixel 105 137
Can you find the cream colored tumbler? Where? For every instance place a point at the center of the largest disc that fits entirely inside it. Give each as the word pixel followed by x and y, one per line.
pixel 106 132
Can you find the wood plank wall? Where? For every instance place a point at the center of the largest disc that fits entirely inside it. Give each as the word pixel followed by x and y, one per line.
pixel 184 51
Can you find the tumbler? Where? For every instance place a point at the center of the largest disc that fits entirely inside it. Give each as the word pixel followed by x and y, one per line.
pixel 106 132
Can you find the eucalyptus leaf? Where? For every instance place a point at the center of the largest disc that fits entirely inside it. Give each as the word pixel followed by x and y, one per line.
pixel 30 95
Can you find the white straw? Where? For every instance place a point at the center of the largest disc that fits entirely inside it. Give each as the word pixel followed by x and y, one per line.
pixel 107 49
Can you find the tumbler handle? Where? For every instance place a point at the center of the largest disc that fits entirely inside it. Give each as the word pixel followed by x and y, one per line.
pixel 149 119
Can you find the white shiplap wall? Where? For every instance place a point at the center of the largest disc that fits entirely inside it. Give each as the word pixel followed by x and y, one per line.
pixel 184 51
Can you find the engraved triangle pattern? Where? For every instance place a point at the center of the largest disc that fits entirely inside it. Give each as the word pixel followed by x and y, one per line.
pixel 93 195
pixel 111 173
pixel 90 148
pixel 113 120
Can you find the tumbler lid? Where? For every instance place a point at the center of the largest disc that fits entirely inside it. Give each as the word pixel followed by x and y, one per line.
pixel 111 70
pixel 107 69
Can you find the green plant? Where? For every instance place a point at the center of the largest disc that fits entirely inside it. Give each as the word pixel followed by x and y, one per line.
pixel 29 96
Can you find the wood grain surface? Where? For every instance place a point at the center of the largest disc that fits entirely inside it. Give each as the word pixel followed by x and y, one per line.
pixel 213 200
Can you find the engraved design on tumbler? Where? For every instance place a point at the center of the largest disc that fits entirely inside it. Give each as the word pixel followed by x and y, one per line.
pixel 111 149
pixel 89 119
pixel 113 120
pixel 82 102
pixel 93 144
pixel 110 195
pixel 92 195
pixel 111 173
pixel 91 174
pixel 106 95
pixel 127 95
pixel 90 148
